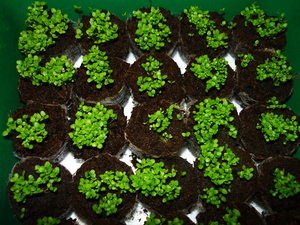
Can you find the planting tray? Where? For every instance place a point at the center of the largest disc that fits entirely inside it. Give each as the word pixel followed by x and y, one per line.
pixel 12 22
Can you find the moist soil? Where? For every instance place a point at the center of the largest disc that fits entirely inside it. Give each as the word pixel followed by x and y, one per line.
pixel 248 215
pixel 83 207
pixel 114 93
pixel 188 183
pixel 289 165
pixel 253 139
pixel 171 216
pixel 195 87
pixel 47 203
pixel 172 93
pixel 115 141
pixel 169 47
pixel 197 44
pixel 250 90
pixel 55 125
pixel 118 47
pixel 150 143
pixel 244 37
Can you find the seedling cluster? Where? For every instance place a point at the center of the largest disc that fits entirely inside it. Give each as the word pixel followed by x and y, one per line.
pixel 109 203
pixel 101 30
pixel 90 127
pixel 286 186
pixel 273 125
pixel 48 221
pixel 246 59
pixel 152 30
pixel 151 220
pixel 28 131
pixel 231 217
pixel 201 19
pixel 154 81
pixel 269 27
pixel 97 65
pixel 43 30
pixel 214 72
pixel 246 173
pixel 23 188
pixel 275 104
pixel 275 69
pixel 57 72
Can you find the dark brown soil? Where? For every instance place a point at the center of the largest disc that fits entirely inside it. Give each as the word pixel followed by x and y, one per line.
pixel 171 21
pixel 248 215
pixel 280 218
pixel 172 93
pixel 253 139
pixel 172 215
pixel 150 143
pixel 115 141
pixel 196 44
pixel 244 37
pixel 289 165
pixel 113 93
pixel 83 206
pixel 118 47
pixel 195 87
pixel 250 90
pixel 55 125
pixel 48 203
pixel 188 183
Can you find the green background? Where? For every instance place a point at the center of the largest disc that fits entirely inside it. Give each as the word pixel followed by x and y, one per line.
pixel 12 22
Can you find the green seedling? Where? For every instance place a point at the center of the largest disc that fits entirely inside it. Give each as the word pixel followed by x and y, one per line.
pixel 48 221
pixel 275 104
pixel 246 59
pixel 215 39
pixel 108 203
pixel 232 216
pixel 246 173
pixel 215 197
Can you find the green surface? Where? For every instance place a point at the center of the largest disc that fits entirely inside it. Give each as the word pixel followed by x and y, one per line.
pixel 12 22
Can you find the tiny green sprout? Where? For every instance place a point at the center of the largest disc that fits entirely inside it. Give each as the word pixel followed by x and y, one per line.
pixel 151 220
pixel 223 23
pixel 154 81
pixel 187 134
pixel 191 34
pixel 232 216
pixel 214 72
pixel 275 104
pixel 246 173
pixel 215 39
pixel 176 221
pixel 232 25
pixel 97 66
pixel 275 69
pixel 256 43
pixel 48 221
pixel 223 9
pixel 215 197
pixel 286 186
pixel 152 31
pixel 22 213
pixel 101 30
pixel 273 125
pixel 77 10
pixel 28 131
pixel 246 59
pixel 90 127
pixel 108 203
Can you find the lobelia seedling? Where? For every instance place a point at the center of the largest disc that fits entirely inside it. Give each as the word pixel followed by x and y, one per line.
pixel 286 186
pixel 246 59
pixel 151 220
pixel 275 104
pixel 214 72
pixel 48 221
pixel 215 39
pixel 275 68
pixel 97 67
pixel 101 30
pixel 152 31
pixel 213 113
pixel 232 216
pixel 246 173
pixel 154 81
pixel 108 203
pixel 273 125
pixel 90 127
pixel 215 197
pixel 28 131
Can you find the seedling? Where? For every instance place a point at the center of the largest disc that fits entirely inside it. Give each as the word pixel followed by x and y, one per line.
pixel 273 125
pixel 151 220
pixel 246 59
pixel 48 221
pixel 151 179
pixel 214 72
pixel 256 43
pixel 97 67
pixel 101 30
pixel 108 203
pixel 286 186
pixel 215 39
pixel 215 197
pixel 77 10
pixel 232 216
pixel 90 127
pixel 246 173
pixel 210 115
pixel 232 25
pixel 29 132
pixel 90 185
pixel 152 30
pixel 275 104
pixel 275 69
pixel 155 80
